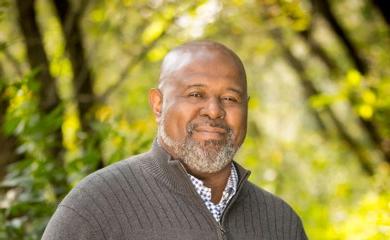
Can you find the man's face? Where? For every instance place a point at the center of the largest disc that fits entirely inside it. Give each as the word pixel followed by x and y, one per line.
pixel 204 112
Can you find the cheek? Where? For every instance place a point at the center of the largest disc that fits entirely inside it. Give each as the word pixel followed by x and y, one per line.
pixel 237 120
pixel 177 116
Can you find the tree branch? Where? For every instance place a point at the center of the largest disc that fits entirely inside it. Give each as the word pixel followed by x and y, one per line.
pixel 82 74
pixel 369 126
pixel 134 61
pixel 310 90
pixel 324 8
pixel 129 66
pixel 317 50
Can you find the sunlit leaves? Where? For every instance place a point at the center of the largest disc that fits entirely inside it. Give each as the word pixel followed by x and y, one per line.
pixel 70 128
pixel 353 78
pixel 370 219
pixel 354 90
pixel 29 179
pixel 157 53
pixel 103 113
pixel 290 14
pixel 97 15
pixel 153 31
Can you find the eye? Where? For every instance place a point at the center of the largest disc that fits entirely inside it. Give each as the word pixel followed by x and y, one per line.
pixel 229 99
pixel 195 94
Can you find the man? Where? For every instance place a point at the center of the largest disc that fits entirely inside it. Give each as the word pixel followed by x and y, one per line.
pixel 187 186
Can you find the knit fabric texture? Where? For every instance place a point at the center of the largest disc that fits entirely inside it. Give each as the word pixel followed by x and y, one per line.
pixel 205 193
pixel 150 196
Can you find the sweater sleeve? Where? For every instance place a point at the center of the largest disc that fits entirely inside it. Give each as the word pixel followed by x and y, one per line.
pixel 67 224
pixel 301 232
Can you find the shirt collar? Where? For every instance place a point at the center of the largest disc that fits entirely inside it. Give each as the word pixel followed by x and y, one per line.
pixel 205 192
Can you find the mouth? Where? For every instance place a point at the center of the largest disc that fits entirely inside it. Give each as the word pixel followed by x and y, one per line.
pixel 209 133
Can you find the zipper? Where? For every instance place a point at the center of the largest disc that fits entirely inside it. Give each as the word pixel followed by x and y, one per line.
pixel 221 230
pixel 230 203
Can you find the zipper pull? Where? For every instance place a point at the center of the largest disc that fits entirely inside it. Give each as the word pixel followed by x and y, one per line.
pixel 222 229
pixel 223 232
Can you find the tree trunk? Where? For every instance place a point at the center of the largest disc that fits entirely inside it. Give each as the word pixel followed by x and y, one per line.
pixel 48 96
pixel 383 7
pixel 82 74
pixel 36 54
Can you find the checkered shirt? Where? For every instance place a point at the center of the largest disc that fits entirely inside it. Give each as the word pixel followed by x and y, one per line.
pixel 228 193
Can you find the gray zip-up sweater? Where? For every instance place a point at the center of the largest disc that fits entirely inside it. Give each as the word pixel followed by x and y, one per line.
pixel 150 196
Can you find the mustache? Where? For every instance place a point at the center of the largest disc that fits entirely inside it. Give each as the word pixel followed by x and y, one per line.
pixel 217 124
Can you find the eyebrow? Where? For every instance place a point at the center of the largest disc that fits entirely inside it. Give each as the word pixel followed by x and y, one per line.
pixel 230 88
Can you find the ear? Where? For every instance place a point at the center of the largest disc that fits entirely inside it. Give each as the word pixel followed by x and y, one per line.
pixel 155 101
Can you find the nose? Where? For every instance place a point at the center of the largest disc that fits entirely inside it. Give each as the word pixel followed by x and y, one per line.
pixel 213 109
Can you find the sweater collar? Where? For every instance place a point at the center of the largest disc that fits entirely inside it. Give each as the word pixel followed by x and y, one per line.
pixel 172 173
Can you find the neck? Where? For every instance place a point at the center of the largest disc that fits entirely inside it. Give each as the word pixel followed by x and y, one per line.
pixel 215 181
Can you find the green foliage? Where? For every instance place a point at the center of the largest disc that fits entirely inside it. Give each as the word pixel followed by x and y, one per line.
pixel 29 180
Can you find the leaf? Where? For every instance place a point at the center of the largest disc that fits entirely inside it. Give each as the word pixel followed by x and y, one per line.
pixel 365 111
pixel 353 78
pixel 153 31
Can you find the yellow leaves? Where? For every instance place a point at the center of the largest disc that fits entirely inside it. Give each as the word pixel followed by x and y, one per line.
pixel 103 113
pixel 364 100
pixel 287 13
pixel 123 125
pixel 169 12
pixel 370 219
pixel 353 78
pixel 97 15
pixel 153 31
pixel 157 53
pixel 342 190
pixel 19 96
pixel 61 67
pixel 70 127
pixel 238 2
pixel 368 97
pixel 127 3
pixel 117 141
pixel 365 111
pixel 322 100
pixel 368 101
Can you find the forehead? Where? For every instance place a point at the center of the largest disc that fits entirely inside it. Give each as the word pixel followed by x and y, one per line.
pixel 207 68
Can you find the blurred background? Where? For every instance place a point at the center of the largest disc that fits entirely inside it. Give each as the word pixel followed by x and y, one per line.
pixel 74 78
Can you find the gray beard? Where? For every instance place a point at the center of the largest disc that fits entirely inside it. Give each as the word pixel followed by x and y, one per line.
pixel 208 157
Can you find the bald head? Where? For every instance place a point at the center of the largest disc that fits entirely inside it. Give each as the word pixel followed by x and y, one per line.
pixel 197 51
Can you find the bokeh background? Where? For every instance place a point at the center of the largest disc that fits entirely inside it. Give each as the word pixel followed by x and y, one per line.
pixel 74 78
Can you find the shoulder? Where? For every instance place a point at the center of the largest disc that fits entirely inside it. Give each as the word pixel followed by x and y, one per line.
pixel 115 171
pixel 92 205
pixel 105 183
